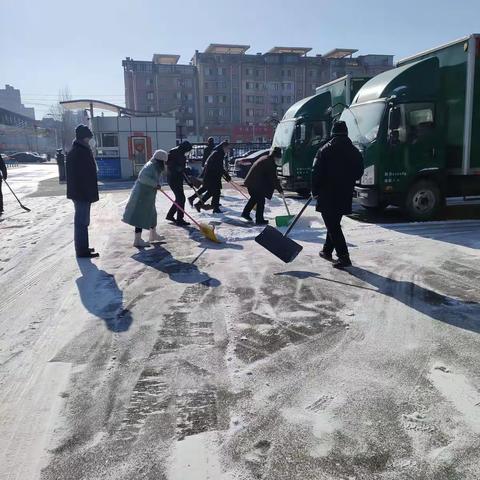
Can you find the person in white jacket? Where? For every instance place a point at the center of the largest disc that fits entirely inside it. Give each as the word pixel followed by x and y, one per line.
pixel 140 211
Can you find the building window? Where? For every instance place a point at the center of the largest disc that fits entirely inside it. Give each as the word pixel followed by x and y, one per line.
pixel 249 71
pixel 150 96
pixel 209 71
pixel 221 112
pixel 188 83
pixel 289 73
pixel 190 96
pixel 178 95
pixel 189 123
pixel 257 73
pixel 210 113
pixel 152 108
pixel 149 82
pixel 190 109
pixel 222 71
pixel 222 99
pixel 249 86
pixel 250 112
pixel 109 140
pixel 209 99
pixel 259 100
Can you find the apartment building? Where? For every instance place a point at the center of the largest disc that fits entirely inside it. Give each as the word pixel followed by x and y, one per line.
pixel 232 89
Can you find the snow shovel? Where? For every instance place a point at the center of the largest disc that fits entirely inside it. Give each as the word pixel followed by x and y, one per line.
pixel 13 193
pixel 280 245
pixel 207 230
pixel 284 220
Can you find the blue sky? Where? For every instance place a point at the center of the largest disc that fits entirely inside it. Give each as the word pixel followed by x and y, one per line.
pixel 46 45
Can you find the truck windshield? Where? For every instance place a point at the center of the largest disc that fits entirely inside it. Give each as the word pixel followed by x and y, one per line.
pixel 363 121
pixel 283 134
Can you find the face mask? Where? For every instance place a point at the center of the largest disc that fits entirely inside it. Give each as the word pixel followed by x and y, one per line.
pixel 92 143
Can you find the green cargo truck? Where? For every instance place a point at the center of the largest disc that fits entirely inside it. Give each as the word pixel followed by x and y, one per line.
pixel 418 127
pixel 307 124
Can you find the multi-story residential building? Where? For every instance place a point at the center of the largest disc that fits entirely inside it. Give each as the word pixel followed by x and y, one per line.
pixel 163 86
pixel 10 99
pixel 232 90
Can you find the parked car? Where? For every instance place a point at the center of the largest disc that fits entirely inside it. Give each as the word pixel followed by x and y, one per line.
pixel 234 158
pixel 242 165
pixel 27 157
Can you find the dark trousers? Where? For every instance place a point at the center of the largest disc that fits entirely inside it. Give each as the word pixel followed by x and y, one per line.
pixel 1 196
pixel 335 238
pixel 214 193
pixel 61 172
pixel 258 199
pixel 81 223
pixel 177 189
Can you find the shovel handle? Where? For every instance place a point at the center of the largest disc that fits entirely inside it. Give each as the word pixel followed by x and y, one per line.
pixel 285 203
pixel 180 208
pixel 238 188
pixel 299 214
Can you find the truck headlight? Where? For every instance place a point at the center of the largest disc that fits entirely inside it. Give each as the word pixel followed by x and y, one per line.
pixel 368 177
pixel 286 169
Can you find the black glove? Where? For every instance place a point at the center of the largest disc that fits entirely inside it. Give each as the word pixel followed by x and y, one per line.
pixel 227 176
pixel 188 171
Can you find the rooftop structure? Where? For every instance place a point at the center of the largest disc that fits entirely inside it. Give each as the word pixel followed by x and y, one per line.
pixel 221 48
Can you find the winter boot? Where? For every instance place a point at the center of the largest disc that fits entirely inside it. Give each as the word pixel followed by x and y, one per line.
pixel 247 217
pixel 261 222
pixel 325 255
pixel 342 262
pixel 170 218
pixel 139 243
pixel 216 210
pixel 154 236
pixel 182 223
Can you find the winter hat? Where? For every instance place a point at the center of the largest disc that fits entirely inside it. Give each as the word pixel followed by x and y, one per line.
pixel 160 155
pixel 210 140
pixel 82 131
pixel 339 128
pixel 186 146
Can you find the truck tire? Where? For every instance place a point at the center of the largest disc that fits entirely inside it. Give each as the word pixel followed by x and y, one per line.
pixel 424 200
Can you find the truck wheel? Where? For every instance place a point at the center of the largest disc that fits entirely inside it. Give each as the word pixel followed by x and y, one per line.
pixel 424 200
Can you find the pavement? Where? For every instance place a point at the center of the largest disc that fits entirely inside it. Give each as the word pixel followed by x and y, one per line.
pixel 193 360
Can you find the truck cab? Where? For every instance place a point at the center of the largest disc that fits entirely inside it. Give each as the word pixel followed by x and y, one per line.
pixel 306 126
pixel 413 125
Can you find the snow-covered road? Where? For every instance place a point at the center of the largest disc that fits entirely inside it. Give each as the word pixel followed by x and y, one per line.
pixel 194 361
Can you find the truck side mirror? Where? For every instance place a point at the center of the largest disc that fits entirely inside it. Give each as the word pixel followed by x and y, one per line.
pixel 394 118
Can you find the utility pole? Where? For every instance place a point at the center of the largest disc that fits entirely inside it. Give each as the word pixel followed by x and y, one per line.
pixel 180 132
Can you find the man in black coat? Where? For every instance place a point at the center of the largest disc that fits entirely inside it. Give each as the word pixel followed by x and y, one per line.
pixel 261 182
pixel 3 175
pixel 207 151
pixel 176 165
pixel 338 165
pixel 212 177
pixel 60 157
pixel 82 188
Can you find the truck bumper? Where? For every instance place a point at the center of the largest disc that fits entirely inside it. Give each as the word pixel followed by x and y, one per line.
pixel 292 185
pixel 367 196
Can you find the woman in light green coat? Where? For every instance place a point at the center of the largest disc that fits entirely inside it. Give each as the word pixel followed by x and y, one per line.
pixel 140 211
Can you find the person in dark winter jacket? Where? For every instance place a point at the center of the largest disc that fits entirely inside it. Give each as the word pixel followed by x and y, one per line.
pixel 82 188
pixel 60 157
pixel 206 153
pixel 176 165
pixel 3 175
pixel 261 182
pixel 208 150
pixel 212 177
pixel 338 165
